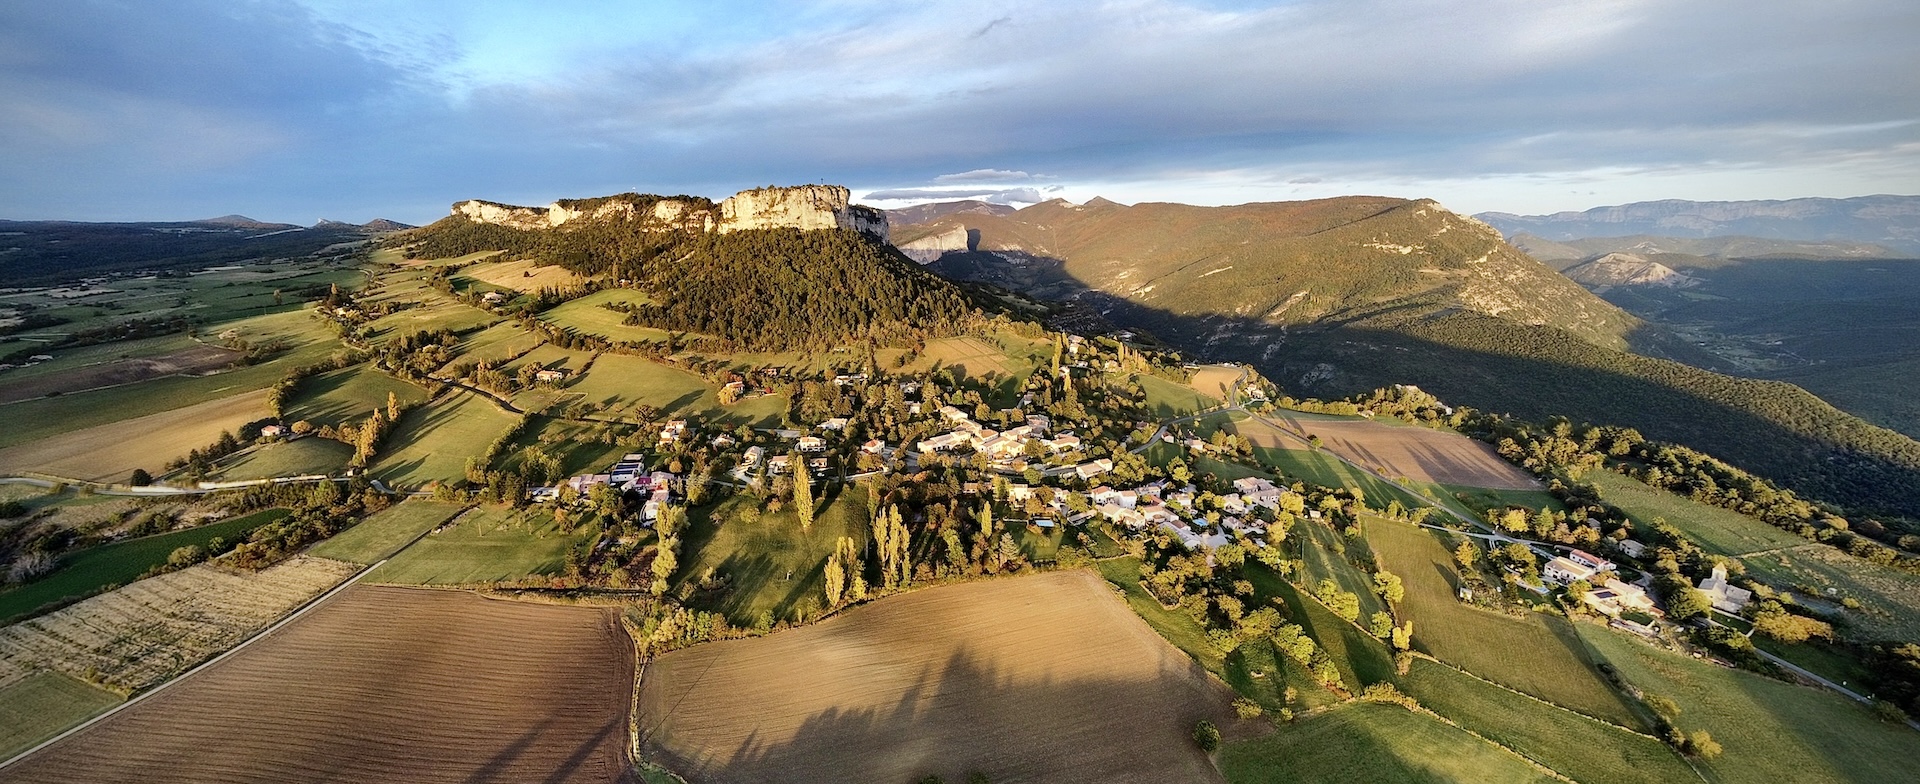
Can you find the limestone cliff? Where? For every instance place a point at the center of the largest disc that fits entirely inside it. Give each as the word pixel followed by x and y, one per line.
pixel 805 207
pixel 930 248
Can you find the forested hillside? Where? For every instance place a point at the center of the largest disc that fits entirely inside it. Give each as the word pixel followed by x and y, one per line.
pixel 762 289
pixel 1341 296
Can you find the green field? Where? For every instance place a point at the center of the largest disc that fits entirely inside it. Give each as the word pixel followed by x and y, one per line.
pixel 498 343
pixel 385 533
pixel 44 704
pixel 1320 548
pixel 1536 653
pixel 1366 742
pixel 488 544
pixel 621 382
pixel 1717 530
pixel 579 446
pixel 1480 499
pixel 1889 598
pixel 772 565
pixel 437 312
pixel 586 315
pixel 1574 745
pixel 1771 731
pixel 1167 399
pixel 302 457
pixel 1362 658
pixel 33 420
pixel 348 395
pixel 89 571
pixel 434 441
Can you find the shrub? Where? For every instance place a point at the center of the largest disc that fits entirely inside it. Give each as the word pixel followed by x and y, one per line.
pixel 1207 736
pixel 1247 709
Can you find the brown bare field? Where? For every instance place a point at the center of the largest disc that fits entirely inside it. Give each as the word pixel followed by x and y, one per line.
pixel 522 275
pixel 1417 453
pixel 109 452
pixel 1214 380
pixel 381 684
pixel 1046 677
pixel 153 629
pixel 190 361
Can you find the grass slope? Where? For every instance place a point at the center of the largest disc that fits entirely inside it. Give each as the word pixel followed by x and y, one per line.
pixel 45 704
pixel 774 567
pixel 1771 731
pixel 1539 654
pixel 385 533
pixel 488 544
pixel 1371 742
pixel 434 441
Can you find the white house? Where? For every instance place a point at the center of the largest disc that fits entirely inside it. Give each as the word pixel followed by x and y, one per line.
pixel 1092 469
pixel 1725 598
pixel 1615 597
pixel 1562 570
pixel 811 444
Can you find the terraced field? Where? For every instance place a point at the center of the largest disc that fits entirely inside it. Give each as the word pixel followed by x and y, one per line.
pixel 381 684
pixel 1046 677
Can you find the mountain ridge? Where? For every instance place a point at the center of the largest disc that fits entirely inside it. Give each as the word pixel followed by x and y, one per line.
pixel 1884 219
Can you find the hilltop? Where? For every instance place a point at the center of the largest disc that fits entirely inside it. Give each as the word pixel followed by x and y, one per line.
pixel 1339 296
pixel 772 268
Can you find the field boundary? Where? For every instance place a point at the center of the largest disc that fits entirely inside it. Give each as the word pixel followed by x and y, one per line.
pixel 198 668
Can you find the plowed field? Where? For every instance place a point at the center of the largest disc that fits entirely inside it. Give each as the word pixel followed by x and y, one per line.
pixel 1417 453
pixel 1044 678
pixel 381 684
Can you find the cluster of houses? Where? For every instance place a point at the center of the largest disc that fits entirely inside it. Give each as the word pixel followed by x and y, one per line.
pixel 629 476
pixel 1162 505
pixel 1609 595
pixel 1000 446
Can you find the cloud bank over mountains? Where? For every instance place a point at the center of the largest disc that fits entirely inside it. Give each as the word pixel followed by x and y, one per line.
pixel 341 107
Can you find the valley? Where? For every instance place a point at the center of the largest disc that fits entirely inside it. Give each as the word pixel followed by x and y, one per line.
pixel 727 519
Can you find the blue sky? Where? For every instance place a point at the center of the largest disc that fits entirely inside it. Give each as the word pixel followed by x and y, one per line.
pixel 352 109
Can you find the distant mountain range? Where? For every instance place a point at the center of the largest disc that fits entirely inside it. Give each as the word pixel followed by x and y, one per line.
pixel 1892 221
pixel 922 213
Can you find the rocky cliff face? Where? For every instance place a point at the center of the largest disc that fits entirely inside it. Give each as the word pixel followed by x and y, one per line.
pixel 805 207
pixel 930 248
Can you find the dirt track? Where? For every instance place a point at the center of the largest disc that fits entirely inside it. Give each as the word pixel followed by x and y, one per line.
pixel 1043 678
pixel 1417 453
pixel 381 684
pixel 198 359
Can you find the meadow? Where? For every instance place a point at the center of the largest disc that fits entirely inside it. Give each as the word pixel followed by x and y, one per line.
pixel 434 442
pixel 44 704
pixel 772 567
pixel 110 452
pixel 1574 745
pixel 348 395
pixel 1168 400
pixel 1535 653
pixel 1717 530
pixel 487 544
pixel 97 568
pixel 1373 742
pixel 386 532
pixel 1771 731
pixel 300 457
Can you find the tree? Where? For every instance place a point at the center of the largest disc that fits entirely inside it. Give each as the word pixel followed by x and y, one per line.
pixel 802 491
pixel 835 580
pixel 1388 585
pixel 1683 600
pixel 665 560
pixel 1403 636
pixel 393 406
pixel 140 478
pixel 1701 744
pixel 1207 736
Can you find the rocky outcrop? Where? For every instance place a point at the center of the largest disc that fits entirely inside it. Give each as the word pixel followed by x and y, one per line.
pixel 929 249
pixel 1627 269
pixel 804 207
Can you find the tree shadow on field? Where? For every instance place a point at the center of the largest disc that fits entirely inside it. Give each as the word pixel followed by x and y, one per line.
pixel 963 717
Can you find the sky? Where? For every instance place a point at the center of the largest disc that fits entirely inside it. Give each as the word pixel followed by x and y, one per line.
pixel 296 110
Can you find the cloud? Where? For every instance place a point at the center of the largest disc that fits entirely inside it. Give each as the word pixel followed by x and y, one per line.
pixel 339 107
pixel 985 175
pixel 994 195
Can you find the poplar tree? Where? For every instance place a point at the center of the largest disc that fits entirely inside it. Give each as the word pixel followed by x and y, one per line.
pixel 802 490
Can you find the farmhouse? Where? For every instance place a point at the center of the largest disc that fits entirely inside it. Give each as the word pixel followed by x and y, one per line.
pixel 836 423
pixel 673 430
pixel 1093 469
pixel 1562 571
pixel 1725 598
pixel 550 376
pixel 273 431
pixel 1615 597
pixel 811 444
